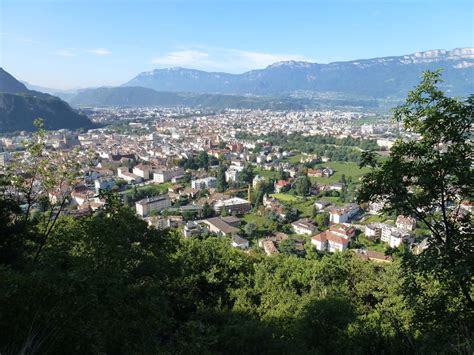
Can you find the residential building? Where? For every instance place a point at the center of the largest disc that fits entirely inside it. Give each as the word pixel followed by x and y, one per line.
pixel 343 214
pixel 157 203
pixel 406 223
pixel 234 205
pixel 281 185
pixel 303 226
pixel 239 242
pixel 165 175
pixel 335 239
pixel 143 171
pixel 204 183
pixel 329 241
pixel 124 173
pixel 219 226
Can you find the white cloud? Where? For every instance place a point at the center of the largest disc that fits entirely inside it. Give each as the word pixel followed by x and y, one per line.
pixel 99 51
pixel 225 59
pixel 70 52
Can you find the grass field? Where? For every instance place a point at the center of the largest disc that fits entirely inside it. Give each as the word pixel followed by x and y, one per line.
pixel 267 174
pixel 287 198
pixel 349 169
pixel 260 221
pixel 374 246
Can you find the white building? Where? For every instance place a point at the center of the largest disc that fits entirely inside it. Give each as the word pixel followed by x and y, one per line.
pixel 143 171
pixel 204 183
pixel 303 226
pixel 235 205
pixel 342 215
pixel 239 242
pixel 157 203
pixel 394 236
pixel 165 175
pixel 406 223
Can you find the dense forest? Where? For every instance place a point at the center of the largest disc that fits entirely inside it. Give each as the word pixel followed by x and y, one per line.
pixel 108 284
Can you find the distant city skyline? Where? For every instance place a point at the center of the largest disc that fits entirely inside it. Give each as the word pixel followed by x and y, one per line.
pixel 68 44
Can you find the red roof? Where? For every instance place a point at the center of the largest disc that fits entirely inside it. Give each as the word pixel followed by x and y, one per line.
pixel 282 183
pixel 328 235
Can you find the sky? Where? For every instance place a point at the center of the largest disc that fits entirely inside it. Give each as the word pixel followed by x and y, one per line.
pixel 68 44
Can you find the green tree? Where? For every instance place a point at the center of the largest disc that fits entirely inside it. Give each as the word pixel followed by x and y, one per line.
pixel 247 174
pixel 250 229
pixel 428 178
pixel 221 181
pixel 302 185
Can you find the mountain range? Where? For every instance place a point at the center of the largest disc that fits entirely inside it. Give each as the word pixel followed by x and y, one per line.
pixel 19 107
pixel 375 78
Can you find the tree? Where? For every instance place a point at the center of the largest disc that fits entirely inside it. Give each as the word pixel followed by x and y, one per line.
pixel 302 185
pixel 428 178
pixel 287 246
pixel 322 220
pixel 247 174
pixel 221 181
pixel 207 210
pixel 250 229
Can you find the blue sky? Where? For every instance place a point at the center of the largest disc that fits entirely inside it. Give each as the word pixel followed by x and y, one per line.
pixel 79 43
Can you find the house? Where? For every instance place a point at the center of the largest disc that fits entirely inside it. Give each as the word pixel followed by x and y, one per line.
pixel 143 171
pixel 124 173
pixel 204 183
pixel 321 204
pixel 375 256
pixel 239 242
pixel 315 172
pixel 337 186
pixel 394 236
pixel 343 214
pixel 373 231
pixel 376 207
pixel 232 205
pixel 219 226
pixel 329 241
pixel 406 223
pixel 335 239
pixel 157 203
pixel 344 230
pixel 281 185
pixel 82 194
pixel 304 226
pixel 232 174
pixel 165 175
pixel 269 247
pixel 192 229
pixel 103 184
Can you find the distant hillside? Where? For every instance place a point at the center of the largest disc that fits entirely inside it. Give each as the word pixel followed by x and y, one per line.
pixel 19 107
pixel 139 96
pixel 375 78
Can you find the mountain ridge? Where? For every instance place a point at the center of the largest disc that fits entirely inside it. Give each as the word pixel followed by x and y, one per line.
pixel 19 107
pixel 376 77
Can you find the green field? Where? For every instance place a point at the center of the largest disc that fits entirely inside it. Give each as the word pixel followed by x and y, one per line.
pixel 267 174
pixel 287 198
pixel 374 246
pixel 349 169
pixel 260 221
